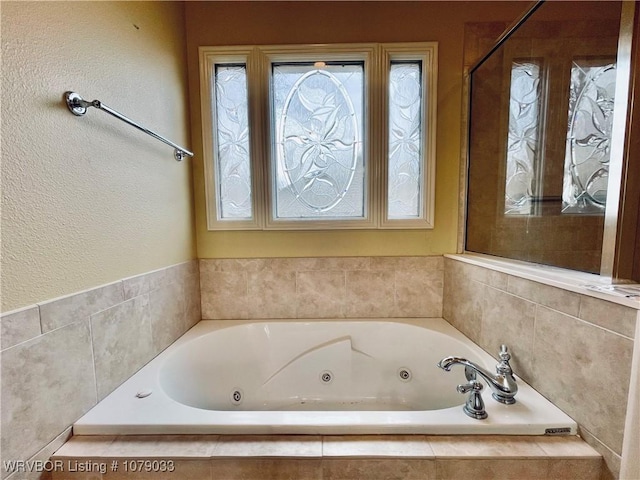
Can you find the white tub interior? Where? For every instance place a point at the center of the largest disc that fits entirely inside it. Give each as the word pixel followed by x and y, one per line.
pixel 314 377
pixel 309 366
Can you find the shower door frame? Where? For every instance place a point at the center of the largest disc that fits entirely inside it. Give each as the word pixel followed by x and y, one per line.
pixel 620 259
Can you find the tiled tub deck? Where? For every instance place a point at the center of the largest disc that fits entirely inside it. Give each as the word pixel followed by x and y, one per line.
pixel 307 457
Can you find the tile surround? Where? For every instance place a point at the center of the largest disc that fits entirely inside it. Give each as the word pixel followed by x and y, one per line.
pixel 124 334
pixel 378 469
pixel 43 456
pixel 410 446
pixel 47 383
pixel 480 302
pixel 562 343
pixel 19 326
pixel 349 287
pixel 587 389
pixel 266 469
pixel 268 446
pixel 509 320
pixel 73 308
pixel 61 356
pixel 384 457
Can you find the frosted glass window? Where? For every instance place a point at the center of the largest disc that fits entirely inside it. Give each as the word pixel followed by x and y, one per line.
pixel 301 137
pixel 231 131
pixel 523 147
pixel 318 117
pixel 586 168
pixel 405 165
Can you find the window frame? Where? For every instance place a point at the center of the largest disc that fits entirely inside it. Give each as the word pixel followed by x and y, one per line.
pixel 426 53
pixel 376 58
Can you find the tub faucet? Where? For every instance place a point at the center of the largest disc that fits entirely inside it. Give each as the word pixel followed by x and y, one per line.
pixel 502 383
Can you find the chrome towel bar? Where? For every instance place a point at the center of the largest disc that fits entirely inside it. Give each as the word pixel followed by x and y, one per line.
pixel 78 106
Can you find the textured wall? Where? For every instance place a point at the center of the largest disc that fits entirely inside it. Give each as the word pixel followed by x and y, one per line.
pixel 242 23
pixel 89 200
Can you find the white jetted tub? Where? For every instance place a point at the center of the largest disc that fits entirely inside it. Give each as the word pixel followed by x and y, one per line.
pixel 315 377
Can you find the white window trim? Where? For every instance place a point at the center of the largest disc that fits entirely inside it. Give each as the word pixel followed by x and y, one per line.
pixel 427 54
pixel 376 58
pixel 209 58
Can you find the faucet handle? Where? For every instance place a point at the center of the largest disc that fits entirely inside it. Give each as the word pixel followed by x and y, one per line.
pixel 474 406
pixel 504 367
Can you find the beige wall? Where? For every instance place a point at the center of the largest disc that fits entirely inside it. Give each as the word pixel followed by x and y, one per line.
pixel 90 200
pixel 238 23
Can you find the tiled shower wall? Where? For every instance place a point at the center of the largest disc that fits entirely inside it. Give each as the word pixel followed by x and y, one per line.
pixel 574 349
pixel 334 287
pixel 60 357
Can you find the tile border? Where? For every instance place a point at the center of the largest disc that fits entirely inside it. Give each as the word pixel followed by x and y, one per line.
pixel 564 279
pixel 327 456
pixel 508 447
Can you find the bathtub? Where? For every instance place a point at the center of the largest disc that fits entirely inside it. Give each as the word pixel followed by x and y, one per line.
pixel 314 377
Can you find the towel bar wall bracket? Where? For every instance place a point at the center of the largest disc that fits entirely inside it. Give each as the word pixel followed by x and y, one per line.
pixel 78 106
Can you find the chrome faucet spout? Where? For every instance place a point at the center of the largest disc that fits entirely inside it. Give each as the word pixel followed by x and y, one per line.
pixel 502 383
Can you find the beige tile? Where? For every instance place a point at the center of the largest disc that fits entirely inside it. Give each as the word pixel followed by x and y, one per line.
pixel 266 469
pixel 492 469
pixel 485 446
pixel 583 469
pixel 370 294
pixel 462 300
pixel 378 469
pixel 569 446
pixel 224 284
pixel 73 308
pixel 431 266
pixel 224 295
pixel 288 264
pixel 85 446
pixel 122 342
pixel 509 320
pixel 192 299
pixel 43 456
pixel 19 326
pixel 170 274
pixel 176 470
pixel 159 278
pixel 268 446
pixel 168 317
pixel 555 298
pixel 341 264
pixel 320 294
pixel 413 446
pixel 81 469
pixel 612 461
pixel 233 265
pixel 575 372
pixel 180 271
pixel 135 286
pixel 163 446
pixel 484 275
pixel 271 294
pixel 612 316
pixel 417 295
pixel 47 383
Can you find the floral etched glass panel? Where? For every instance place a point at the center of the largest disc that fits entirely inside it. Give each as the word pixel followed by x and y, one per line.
pixel 405 174
pixel 586 168
pixel 318 118
pixel 232 165
pixel 523 149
